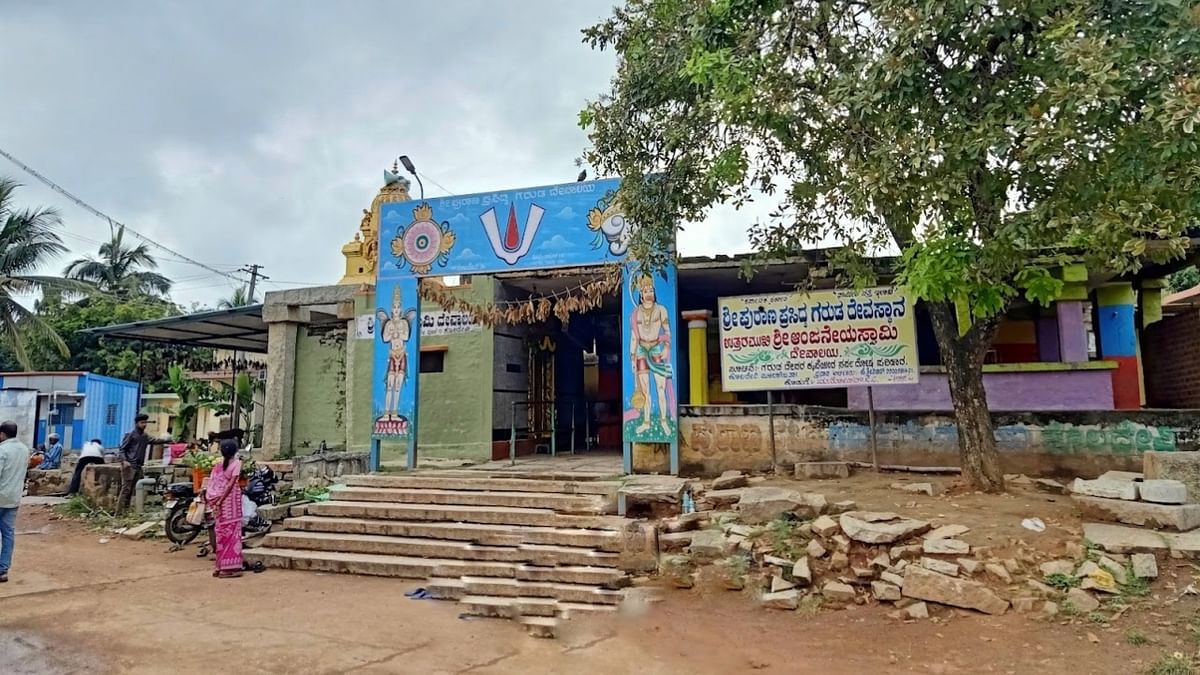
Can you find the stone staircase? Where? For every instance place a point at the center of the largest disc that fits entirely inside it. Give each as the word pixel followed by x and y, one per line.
pixel 509 545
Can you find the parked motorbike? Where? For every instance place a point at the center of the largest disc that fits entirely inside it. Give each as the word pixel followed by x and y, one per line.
pixel 177 497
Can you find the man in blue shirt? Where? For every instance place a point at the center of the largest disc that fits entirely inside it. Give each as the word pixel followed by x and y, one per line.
pixel 53 458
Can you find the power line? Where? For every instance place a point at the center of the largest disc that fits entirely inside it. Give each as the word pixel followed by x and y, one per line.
pixel 111 222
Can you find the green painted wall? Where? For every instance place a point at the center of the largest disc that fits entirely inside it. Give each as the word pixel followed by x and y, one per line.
pixel 455 408
pixel 319 403
pixel 360 356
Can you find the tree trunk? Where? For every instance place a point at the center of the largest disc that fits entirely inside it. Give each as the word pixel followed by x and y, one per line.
pixel 963 355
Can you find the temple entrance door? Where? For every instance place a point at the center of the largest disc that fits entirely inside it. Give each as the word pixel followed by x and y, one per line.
pixel 541 390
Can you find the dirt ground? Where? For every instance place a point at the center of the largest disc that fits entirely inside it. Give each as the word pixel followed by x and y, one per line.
pixel 76 605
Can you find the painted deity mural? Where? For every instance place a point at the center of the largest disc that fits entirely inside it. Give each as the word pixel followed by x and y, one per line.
pixel 651 328
pixel 557 226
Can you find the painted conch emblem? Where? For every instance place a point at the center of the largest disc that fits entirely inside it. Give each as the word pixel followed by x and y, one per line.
pixel 424 242
pixel 512 246
pixel 608 221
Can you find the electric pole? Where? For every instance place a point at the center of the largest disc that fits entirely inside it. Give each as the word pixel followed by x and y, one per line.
pixel 255 275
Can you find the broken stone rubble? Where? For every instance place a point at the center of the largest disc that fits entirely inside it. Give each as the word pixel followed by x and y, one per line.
pixel 946 547
pixel 924 584
pixel 880 528
pixel 1106 489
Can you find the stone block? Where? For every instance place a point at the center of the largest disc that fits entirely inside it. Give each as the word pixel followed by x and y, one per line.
pixel 1082 601
pixel 841 507
pixel 885 592
pixel 760 505
pixel 928 489
pixel 1107 489
pixel 880 528
pixel 785 600
pixel 801 573
pixel 1178 517
pixel 730 480
pixel 709 545
pixel 53 482
pixel 1122 539
pixel 917 610
pixel 940 566
pixel 923 584
pixel 825 527
pixel 1122 475
pixel 969 566
pixel 820 470
pixel 1145 566
pixel 1163 491
pixel 1180 466
pixel 838 592
pixel 947 532
pixel 946 547
pixel 1064 567
pixel 815 549
pixel 639 548
pixel 101 485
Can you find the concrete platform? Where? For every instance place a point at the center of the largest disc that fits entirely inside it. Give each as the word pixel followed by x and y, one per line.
pixel 472 481
pixel 489 535
pixel 1123 539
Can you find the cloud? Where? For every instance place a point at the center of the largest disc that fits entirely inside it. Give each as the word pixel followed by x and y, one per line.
pixel 467 254
pixel 265 134
pixel 392 216
pixel 567 212
pixel 556 243
pixel 457 218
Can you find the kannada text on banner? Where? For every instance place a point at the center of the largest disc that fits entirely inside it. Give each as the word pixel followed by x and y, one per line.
pixel 817 339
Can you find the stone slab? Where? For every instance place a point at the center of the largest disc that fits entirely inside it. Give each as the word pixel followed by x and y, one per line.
pixel 821 470
pixel 1163 491
pixel 923 584
pixel 1122 539
pixel 1108 489
pixel 1180 466
pixel 1180 518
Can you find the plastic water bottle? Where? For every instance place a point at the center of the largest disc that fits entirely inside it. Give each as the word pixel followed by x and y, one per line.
pixel 689 505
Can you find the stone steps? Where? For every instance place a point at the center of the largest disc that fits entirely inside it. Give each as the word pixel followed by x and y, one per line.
pixel 486 535
pixel 406 567
pixel 483 515
pixel 415 547
pixel 560 503
pixel 473 483
pixel 523 546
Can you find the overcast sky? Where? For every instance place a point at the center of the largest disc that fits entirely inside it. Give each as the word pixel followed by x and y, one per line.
pixel 239 133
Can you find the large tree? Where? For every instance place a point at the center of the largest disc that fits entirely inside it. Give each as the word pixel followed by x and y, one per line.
pixel 991 142
pixel 28 241
pixel 121 268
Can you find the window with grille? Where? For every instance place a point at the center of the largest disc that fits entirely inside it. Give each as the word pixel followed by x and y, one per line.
pixel 110 415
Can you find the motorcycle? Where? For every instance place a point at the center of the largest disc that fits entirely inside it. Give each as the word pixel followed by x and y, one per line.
pixel 177 497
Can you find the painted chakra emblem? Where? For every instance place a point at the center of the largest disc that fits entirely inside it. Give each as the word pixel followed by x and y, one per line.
pixel 424 242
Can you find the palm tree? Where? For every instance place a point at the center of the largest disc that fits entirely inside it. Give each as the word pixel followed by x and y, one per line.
pixel 121 269
pixel 240 298
pixel 27 241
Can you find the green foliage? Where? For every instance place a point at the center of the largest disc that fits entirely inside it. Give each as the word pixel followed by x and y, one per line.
pixel 1136 637
pixel 115 358
pixel 1135 586
pixel 28 240
pixel 1062 582
pixel 1188 277
pixel 122 268
pixel 784 538
pixel 240 298
pixel 1173 664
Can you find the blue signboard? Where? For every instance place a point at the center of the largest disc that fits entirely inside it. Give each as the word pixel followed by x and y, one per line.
pixel 569 225
pixel 650 328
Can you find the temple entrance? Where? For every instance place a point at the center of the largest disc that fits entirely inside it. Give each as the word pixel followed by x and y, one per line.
pixel 557 385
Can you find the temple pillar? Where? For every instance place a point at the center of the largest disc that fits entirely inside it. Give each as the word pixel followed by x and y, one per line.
pixel 697 324
pixel 283 329
pixel 1118 342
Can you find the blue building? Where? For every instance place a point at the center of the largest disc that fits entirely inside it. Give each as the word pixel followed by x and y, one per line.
pixel 78 406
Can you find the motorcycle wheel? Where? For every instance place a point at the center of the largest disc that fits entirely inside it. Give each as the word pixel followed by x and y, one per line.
pixel 178 529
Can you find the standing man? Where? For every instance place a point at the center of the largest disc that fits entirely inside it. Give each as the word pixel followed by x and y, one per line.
pixel 133 455
pixel 14 461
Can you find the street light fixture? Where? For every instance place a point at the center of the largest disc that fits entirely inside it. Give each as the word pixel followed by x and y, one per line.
pixel 412 168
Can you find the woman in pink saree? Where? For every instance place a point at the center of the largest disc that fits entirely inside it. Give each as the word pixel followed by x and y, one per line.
pixel 225 501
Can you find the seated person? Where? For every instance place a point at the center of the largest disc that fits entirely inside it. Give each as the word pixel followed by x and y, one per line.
pixel 93 453
pixel 52 459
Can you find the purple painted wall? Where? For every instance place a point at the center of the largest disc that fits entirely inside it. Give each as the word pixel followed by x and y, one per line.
pixel 1072 334
pixel 1047 338
pixel 1048 390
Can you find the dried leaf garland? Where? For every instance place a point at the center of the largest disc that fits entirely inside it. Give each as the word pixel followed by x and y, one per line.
pixel 577 300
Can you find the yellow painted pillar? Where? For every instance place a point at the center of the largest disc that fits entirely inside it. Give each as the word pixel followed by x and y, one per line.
pixel 697 323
